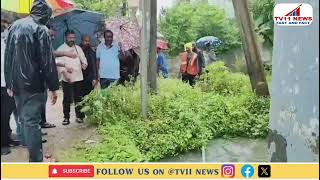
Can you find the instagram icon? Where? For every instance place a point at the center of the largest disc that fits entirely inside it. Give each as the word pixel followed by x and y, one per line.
pixel 228 170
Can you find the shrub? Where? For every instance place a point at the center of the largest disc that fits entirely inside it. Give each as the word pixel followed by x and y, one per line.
pixel 188 22
pixel 219 79
pixel 180 118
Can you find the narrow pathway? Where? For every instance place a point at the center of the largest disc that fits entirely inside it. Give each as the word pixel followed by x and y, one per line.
pixel 60 138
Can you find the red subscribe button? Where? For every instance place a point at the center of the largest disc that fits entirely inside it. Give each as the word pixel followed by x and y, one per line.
pixel 71 171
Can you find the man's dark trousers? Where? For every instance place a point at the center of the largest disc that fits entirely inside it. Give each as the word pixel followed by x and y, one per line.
pixel 187 78
pixel 72 92
pixel 29 107
pixel 105 82
pixel 44 107
pixel 87 87
pixel 7 107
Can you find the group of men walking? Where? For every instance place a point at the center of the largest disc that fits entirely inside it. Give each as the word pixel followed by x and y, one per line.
pixel 193 62
pixel 31 70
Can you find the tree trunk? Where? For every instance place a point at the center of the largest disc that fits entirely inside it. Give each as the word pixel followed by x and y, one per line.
pixel 251 50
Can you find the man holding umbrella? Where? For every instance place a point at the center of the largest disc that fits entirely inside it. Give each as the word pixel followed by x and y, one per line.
pixel 162 63
pixel 161 58
pixel 211 55
pixel 109 55
pixel 208 43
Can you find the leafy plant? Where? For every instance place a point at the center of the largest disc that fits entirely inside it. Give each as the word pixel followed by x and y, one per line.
pixel 240 65
pixel 187 22
pixel 262 11
pixel 219 79
pixel 107 7
pixel 180 118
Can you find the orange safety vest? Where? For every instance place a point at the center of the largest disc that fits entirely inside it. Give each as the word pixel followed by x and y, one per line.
pixel 192 67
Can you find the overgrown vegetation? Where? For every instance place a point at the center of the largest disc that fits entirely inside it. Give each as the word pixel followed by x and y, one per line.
pixel 188 22
pixel 262 11
pixel 106 7
pixel 181 118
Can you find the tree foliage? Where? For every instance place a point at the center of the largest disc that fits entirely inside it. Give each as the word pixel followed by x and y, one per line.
pixel 106 7
pixel 188 22
pixel 262 11
pixel 181 118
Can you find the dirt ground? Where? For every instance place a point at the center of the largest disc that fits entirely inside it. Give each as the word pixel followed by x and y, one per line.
pixel 60 138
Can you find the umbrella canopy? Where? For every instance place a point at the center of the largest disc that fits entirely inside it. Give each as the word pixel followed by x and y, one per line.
pixel 60 6
pixel 24 6
pixel 162 44
pixel 125 31
pixel 211 40
pixel 80 21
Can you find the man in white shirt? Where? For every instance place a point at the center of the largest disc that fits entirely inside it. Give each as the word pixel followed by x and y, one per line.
pixel 71 54
pixel 72 81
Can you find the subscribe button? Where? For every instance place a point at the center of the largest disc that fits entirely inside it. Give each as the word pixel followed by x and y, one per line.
pixel 71 171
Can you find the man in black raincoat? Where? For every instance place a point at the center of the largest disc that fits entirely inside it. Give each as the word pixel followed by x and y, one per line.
pixel 29 65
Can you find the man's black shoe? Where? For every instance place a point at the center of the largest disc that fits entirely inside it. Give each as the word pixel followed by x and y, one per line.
pixel 79 120
pixel 66 122
pixel 14 143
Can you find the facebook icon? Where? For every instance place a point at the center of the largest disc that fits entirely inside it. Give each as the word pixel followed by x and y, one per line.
pixel 247 171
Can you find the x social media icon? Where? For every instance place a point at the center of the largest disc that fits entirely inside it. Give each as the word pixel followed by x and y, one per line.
pixel 264 171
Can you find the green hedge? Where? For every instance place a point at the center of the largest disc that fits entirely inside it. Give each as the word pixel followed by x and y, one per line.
pixel 181 118
pixel 188 22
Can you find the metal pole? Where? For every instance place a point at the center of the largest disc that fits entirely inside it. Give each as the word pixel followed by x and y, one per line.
pixel 203 154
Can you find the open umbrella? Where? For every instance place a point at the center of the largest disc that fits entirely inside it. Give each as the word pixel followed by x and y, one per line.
pixel 24 6
pixel 208 40
pixel 162 44
pixel 60 6
pixel 80 21
pixel 125 31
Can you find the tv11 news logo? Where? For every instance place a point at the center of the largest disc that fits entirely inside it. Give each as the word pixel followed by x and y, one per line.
pixel 293 14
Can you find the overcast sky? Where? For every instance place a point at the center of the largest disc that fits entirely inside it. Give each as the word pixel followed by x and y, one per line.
pixel 164 4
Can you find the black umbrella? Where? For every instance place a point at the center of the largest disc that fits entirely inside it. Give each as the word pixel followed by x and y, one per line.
pixel 80 21
pixel 208 40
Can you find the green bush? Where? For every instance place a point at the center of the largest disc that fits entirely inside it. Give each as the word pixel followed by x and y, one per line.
pixel 220 80
pixel 188 22
pixel 108 8
pixel 240 65
pixel 262 11
pixel 181 118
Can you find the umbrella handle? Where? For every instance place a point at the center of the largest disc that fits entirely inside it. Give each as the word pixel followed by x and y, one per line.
pixel 66 23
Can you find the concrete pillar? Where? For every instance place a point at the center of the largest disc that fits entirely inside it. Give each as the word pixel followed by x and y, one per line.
pixel 294 118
